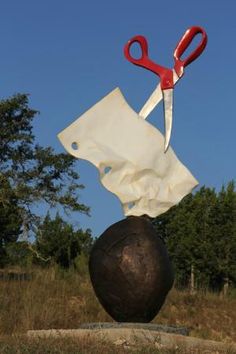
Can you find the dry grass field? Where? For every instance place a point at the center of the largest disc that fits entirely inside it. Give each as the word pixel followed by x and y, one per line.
pixel 18 345
pixel 56 299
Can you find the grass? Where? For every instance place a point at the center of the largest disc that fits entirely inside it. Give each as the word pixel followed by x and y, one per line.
pixel 206 314
pixel 52 299
pixel 18 345
pixel 56 299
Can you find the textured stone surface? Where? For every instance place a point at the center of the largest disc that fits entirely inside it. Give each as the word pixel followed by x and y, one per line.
pixel 130 270
pixel 145 326
pixel 137 337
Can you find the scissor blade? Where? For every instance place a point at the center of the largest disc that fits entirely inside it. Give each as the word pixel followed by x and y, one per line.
pixel 151 103
pixel 168 109
pixel 155 98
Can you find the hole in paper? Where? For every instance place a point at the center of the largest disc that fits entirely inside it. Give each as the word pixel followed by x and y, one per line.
pixel 107 169
pixel 131 205
pixel 75 146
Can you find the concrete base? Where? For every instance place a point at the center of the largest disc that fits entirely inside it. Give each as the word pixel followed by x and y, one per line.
pixel 145 326
pixel 131 337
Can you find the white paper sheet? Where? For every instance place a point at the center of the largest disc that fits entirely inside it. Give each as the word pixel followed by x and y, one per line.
pixel 129 154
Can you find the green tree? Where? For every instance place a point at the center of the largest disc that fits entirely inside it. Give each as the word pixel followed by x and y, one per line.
pixel 19 254
pixel 224 229
pixel 10 218
pixel 29 175
pixel 177 227
pixel 58 242
pixel 200 234
pixel 33 173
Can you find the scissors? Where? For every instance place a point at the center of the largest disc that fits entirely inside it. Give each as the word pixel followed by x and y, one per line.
pixel 168 77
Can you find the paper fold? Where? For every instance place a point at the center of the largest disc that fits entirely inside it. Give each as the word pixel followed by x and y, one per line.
pixel 129 154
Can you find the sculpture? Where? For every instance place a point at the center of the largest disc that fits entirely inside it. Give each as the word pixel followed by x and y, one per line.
pixel 129 265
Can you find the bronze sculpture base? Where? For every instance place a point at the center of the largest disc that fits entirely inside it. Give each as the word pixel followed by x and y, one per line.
pixel 130 270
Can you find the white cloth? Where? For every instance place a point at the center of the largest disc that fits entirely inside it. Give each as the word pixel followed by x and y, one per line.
pixel 129 154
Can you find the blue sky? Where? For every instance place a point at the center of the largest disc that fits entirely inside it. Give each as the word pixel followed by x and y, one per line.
pixel 69 54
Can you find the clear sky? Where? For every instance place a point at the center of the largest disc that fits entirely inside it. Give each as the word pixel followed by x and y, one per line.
pixel 69 54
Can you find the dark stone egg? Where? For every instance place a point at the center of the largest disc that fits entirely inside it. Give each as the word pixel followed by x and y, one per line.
pixel 130 270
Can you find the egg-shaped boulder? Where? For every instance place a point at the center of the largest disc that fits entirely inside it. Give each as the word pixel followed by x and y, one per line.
pixel 130 270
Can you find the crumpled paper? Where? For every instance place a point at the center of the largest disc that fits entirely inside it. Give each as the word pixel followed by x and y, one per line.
pixel 129 154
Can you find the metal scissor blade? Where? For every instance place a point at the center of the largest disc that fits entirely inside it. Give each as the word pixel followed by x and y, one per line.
pixel 168 109
pixel 155 98
pixel 151 103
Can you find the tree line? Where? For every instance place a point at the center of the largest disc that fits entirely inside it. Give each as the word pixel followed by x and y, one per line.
pixel 31 175
pixel 200 232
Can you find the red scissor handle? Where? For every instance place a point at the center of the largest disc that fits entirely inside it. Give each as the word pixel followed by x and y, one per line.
pixel 165 74
pixel 183 45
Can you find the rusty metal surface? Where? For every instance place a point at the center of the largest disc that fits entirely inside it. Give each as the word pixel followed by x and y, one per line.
pixel 130 270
